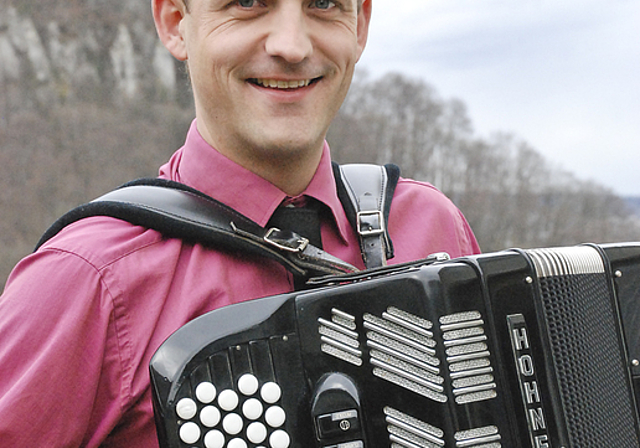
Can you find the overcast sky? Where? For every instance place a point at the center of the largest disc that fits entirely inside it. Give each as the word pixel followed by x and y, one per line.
pixel 562 75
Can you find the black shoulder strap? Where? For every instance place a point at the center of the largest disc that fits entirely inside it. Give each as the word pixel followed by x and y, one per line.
pixel 179 211
pixel 366 192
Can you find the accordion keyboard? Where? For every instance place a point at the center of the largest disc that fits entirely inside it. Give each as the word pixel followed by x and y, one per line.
pixel 244 413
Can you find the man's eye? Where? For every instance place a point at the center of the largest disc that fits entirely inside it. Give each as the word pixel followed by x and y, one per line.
pixel 323 4
pixel 246 3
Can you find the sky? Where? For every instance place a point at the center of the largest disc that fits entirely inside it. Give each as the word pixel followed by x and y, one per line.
pixel 562 75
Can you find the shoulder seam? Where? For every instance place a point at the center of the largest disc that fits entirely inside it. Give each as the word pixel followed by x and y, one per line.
pixel 93 258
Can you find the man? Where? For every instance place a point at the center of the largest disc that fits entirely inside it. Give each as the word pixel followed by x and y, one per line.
pixel 81 317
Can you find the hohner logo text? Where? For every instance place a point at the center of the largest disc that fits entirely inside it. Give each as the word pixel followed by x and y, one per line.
pixel 528 381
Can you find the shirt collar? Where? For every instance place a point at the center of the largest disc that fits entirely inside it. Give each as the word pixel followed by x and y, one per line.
pixel 200 166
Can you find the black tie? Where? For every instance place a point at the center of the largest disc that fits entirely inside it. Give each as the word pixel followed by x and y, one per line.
pixel 304 221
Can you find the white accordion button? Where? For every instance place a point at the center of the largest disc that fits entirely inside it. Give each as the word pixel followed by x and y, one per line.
pixel 252 409
pixel 256 432
pixel 232 424
pixel 270 392
pixel 237 443
pixel 210 416
pixel 228 400
pixel 275 416
pixel 248 384
pixel 186 408
pixel 189 432
pixel 214 439
pixel 206 392
pixel 279 439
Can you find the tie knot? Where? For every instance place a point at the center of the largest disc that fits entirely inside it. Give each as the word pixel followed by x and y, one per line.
pixel 297 201
pixel 300 216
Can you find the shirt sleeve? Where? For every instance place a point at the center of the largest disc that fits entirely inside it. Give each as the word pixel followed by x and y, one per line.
pixel 56 328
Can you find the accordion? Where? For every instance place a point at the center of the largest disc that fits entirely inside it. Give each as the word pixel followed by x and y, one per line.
pixel 523 348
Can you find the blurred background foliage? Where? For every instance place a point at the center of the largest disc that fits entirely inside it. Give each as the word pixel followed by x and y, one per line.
pixel 90 100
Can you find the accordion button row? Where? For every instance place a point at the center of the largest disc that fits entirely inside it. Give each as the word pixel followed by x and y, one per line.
pixel 252 409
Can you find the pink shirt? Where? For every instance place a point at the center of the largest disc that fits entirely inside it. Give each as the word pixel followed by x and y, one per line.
pixel 81 318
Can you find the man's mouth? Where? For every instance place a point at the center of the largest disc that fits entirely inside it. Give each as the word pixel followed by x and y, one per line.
pixel 282 85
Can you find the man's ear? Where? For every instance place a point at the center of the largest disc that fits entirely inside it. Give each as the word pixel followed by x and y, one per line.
pixel 364 18
pixel 168 15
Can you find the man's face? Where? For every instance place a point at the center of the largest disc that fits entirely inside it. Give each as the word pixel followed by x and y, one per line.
pixel 270 75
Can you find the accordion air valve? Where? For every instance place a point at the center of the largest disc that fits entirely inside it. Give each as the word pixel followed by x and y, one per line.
pixel 530 349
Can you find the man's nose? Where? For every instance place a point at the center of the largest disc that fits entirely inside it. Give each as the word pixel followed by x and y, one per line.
pixel 289 37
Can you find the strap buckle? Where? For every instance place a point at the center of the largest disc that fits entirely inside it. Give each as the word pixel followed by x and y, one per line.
pixel 286 241
pixel 370 223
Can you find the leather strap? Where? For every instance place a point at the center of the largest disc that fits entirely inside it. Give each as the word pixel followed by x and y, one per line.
pixel 179 211
pixel 302 219
pixel 369 189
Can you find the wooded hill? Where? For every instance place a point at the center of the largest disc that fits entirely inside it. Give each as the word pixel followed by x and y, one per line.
pixel 89 100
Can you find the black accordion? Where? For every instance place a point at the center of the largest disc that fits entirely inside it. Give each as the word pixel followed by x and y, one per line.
pixel 532 349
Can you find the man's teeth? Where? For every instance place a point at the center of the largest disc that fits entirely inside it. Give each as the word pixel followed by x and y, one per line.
pixel 275 84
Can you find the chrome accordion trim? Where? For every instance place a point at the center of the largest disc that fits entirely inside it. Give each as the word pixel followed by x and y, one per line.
pixel 403 352
pixel 468 357
pixel 339 338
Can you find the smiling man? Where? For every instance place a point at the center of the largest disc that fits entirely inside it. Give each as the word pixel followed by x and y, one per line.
pixel 81 318
pixel 268 76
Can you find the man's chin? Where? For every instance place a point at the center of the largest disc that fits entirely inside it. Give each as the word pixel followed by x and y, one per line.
pixel 291 148
pixel 289 144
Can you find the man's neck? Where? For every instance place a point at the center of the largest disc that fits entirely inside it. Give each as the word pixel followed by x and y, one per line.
pixel 290 174
pixel 291 170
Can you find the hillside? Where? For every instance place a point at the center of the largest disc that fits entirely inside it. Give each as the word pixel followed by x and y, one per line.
pixel 89 99
pixel 60 52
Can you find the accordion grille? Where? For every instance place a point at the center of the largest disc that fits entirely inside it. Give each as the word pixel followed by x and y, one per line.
pixel 582 329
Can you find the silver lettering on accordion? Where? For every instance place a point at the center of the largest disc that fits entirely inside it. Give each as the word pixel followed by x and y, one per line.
pixel 536 417
pixel 542 442
pixel 520 339
pixel 531 393
pixel 525 366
